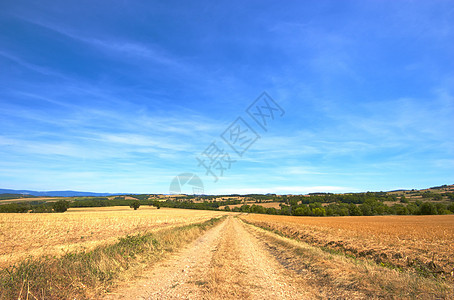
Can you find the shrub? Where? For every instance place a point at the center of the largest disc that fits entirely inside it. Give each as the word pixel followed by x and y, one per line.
pixel 61 206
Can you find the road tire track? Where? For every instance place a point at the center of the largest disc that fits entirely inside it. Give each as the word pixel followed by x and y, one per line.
pixel 228 262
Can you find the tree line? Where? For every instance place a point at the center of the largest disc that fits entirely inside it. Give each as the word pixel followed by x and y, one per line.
pixel 36 207
pixel 357 204
pixel 135 203
pixel 368 208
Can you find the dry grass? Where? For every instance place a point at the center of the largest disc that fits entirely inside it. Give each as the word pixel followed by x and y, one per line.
pixel 270 204
pixel 421 243
pixel 23 235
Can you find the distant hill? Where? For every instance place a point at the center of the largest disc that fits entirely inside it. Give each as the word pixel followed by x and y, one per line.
pixel 435 189
pixel 55 193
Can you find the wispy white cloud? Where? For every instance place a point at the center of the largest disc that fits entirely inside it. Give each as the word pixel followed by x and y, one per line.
pixel 112 45
pixel 91 103
pixel 43 70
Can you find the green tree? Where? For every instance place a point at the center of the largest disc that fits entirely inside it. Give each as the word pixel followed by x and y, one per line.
pixel 60 206
pixel 302 211
pixel 412 209
pixel 451 207
pixel 285 210
pixel 400 209
pixel 354 210
pixel 260 209
pixel 135 204
pixel 271 211
pixel 318 211
pixel 403 199
pixel 14 208
pixel 441 209
pixel 245 208
pixel 379 208
pixel 427 208
pixel 330 211
pixel 293 201
pixel 366 209
pixel 437 197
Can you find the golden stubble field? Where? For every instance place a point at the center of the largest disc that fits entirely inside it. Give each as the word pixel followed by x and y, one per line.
pixel 264 204
pixel 24 235
pixel 424 243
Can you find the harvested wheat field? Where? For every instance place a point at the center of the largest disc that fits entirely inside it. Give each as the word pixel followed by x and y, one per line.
pixel 424 244
pixel 221 258
pixel 264 204
pixel 23 235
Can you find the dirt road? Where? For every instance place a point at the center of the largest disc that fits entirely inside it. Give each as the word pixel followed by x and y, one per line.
pixel 233 260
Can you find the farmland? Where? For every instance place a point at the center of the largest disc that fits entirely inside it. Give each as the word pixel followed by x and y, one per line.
pixel 117 253
pixel 418 243
pixel 236 260
pixel 261 246
pixel 263 204
pixel 24 235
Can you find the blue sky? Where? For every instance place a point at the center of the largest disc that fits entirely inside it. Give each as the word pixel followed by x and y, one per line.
pixel 122 96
